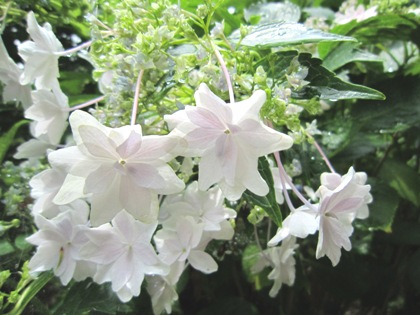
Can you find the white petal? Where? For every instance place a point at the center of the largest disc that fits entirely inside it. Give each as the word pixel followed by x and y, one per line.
pixel 202 261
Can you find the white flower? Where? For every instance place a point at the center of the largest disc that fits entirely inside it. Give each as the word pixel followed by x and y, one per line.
pixel 59 241
pixel 229 138
pixel 40 55
pixel 33 148
pixel 184 243
pixel 162 289
pixel 299 223
pixel 283 263
pixel 122 168
pixel 44 187
pixel 123 253
pixel 9 75
pixel 49 113
pixel 205 207
pixel 342 198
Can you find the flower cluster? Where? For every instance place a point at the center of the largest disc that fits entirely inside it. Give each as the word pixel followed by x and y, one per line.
pixel 113 207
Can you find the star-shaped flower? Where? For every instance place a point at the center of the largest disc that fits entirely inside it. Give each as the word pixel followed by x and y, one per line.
pixel 123 253
pixel 122 168
pixel 59 241
pixel 40 55
pixel 185 243
pixel 49 113
pixel 282 262
pixel 229 138
pixel 9 75
pixel 205 207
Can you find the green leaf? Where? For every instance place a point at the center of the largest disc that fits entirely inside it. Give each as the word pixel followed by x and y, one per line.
pixel 345 53
pixel 268 202
pixel 30 292
pixel 285 34
pixel 6 248
pixel 403 179
pixel 7 139
pixel 383 208
pixel 375 29
pixel 86 296
pixel 249 259
pixel 327 85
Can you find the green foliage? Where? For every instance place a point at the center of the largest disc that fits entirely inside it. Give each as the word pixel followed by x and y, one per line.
pixel 268 202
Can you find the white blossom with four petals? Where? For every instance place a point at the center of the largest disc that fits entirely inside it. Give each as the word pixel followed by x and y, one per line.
pixel 229 138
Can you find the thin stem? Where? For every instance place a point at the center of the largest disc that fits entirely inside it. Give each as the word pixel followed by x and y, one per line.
pixel 136 98
pixel 225 72
pixel 257 239
pixel 74 49
pixel 324 156
pixel 283 182
pixel 88 103
pixel 295 190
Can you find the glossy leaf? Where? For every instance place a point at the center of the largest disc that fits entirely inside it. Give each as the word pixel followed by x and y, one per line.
pixel 286 34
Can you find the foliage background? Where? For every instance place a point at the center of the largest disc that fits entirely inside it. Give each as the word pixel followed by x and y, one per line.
pixel 381 274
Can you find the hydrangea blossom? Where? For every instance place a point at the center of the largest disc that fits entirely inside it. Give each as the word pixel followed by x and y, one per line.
pixel 162 289
pixel 122 168
pixel 45 186
pixel 205 207
pixel 123 254
pixel 229 138
pixel 342 199
pixel 282 262
pixel 40 55
pixel 49 112
pixel 10 75
pixel 185 243
pixel 58 244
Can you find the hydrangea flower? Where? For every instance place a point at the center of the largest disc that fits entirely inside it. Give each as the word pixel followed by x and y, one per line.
pixel 205 207
pixel 185 243
pixel 40 55
pixel 122 168
pixel 45 186
pixel 342 199
pixel 162 289
pixel 10 75
pixel 229 138
pixel 58 244
pixel 123 254
pixel 282 262
pixel 49 112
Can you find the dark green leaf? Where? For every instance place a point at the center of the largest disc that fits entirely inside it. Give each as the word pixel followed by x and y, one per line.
pixel 7 139
pixel 382 210
pixel 6 248
pixel 86 296
pixel 403 179
pixel 345 53
pixel 285 34
pixel 327 85
pixel 268 202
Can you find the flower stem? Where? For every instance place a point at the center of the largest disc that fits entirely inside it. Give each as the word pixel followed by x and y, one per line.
pixel 88 103
pixel 225 72
pixel 323 155
pixel 74 49
pixel 136 98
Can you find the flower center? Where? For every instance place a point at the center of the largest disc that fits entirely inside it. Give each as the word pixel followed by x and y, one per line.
pixel 227 131
pixel 122 162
